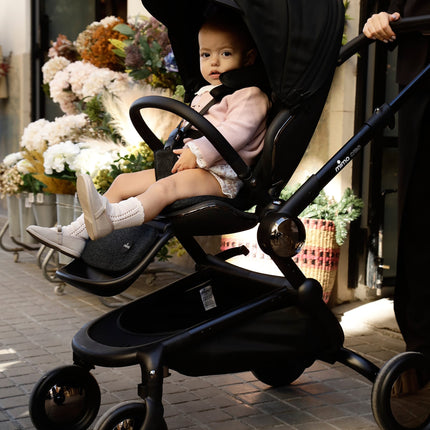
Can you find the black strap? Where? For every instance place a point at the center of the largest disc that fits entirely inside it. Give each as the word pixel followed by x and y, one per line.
pixel 176 137
pixel 188 131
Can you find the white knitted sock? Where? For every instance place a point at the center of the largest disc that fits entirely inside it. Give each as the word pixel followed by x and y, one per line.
pixel 76 228
pixel 127 213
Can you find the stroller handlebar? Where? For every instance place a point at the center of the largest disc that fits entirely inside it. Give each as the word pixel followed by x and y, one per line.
pixel 404 25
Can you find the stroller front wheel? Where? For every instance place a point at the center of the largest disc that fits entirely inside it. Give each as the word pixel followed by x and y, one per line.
pixel 401 393
pixel 66 398
pixel 128 415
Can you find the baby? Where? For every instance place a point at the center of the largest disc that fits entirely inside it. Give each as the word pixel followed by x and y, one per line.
pixel 135 198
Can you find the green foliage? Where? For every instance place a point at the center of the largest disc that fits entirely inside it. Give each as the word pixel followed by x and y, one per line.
pixel 132 163
pixel 100 119
pixel 145 53
pixel 341 212
pixel 125 29
pixel 347 18
pixel 67 174
pixel 31 184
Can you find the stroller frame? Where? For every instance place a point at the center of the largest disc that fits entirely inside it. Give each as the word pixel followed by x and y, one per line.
pixel 123 337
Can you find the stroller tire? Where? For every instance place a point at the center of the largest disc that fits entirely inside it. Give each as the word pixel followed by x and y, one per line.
pixel 128 415
pixel 66 398
pixel 280 376
pixel 401 393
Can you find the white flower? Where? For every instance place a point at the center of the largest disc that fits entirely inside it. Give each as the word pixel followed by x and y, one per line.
pixel 67 127
pixel 40 133
pixel 109 20
pixel 35 135
pixel 61 93
pixel 12 159
pixel 94 156
pixel 24 167
pixel 79 73
pixel 52 67
pixel 57 156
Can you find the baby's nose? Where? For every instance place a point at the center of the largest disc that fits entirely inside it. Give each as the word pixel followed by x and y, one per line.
pixel 215 60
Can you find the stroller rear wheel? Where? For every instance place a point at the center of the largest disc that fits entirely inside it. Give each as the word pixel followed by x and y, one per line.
pixel 401 393
pixel 282 375
pixel 127 416
pixel 66 398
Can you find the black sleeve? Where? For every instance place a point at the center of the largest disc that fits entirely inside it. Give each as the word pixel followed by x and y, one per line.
pixel 396 6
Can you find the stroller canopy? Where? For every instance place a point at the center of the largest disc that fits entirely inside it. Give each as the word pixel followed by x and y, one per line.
pixel 298 40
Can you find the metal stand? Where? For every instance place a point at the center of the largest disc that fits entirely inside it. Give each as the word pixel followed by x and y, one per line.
pixel 48 261
pixel 7 248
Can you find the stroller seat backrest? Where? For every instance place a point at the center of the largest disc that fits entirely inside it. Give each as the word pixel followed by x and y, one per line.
pixel 298 43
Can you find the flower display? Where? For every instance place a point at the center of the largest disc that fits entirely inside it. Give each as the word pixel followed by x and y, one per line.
pixel 94 80
pixel 89 81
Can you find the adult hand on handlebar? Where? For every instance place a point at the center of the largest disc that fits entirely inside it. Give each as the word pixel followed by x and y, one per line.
pixel 378 26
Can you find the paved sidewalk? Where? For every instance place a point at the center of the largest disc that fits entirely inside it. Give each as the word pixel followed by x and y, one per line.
pixel 37 325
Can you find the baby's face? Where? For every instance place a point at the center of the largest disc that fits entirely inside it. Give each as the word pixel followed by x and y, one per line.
pixel 220 51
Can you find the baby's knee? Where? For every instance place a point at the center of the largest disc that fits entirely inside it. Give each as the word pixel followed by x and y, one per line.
pixel 119 185
pixel 167 187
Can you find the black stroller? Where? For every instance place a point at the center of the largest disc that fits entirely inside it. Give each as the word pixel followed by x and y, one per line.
pixel 222 318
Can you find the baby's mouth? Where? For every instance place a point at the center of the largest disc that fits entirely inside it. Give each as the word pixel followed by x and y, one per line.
pixel 214 74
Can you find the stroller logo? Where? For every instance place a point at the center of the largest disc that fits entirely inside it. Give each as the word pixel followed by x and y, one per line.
pixel 342 163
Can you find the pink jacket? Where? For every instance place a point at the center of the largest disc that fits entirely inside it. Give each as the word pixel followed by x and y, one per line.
pixel 241 119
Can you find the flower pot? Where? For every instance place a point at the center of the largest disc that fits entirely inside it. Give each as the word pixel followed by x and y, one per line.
pixel 26 218
pixel 44 209
pixel 13 216
pixel 68 209
pixel 319 257
pixel 65 208
pixel 77 210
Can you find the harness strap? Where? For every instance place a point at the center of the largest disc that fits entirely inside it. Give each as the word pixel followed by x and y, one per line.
pixel 179 133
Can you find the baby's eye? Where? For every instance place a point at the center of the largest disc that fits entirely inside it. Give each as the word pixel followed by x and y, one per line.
pixel 205 55
pixel 227 54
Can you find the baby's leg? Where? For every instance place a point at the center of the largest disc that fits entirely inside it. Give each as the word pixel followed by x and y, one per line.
pixel 181 185
pixel 129 185
pixel 102 216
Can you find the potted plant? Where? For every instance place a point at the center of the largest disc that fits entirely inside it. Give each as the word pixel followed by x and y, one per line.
pixel 326 221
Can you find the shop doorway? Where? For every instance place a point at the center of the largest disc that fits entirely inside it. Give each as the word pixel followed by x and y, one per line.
pixel 51 18
pixel 376 175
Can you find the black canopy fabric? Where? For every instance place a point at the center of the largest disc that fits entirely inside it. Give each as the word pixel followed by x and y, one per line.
pixel 298 40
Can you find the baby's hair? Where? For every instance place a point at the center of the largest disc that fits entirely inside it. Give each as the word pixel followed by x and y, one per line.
pixel 230 21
